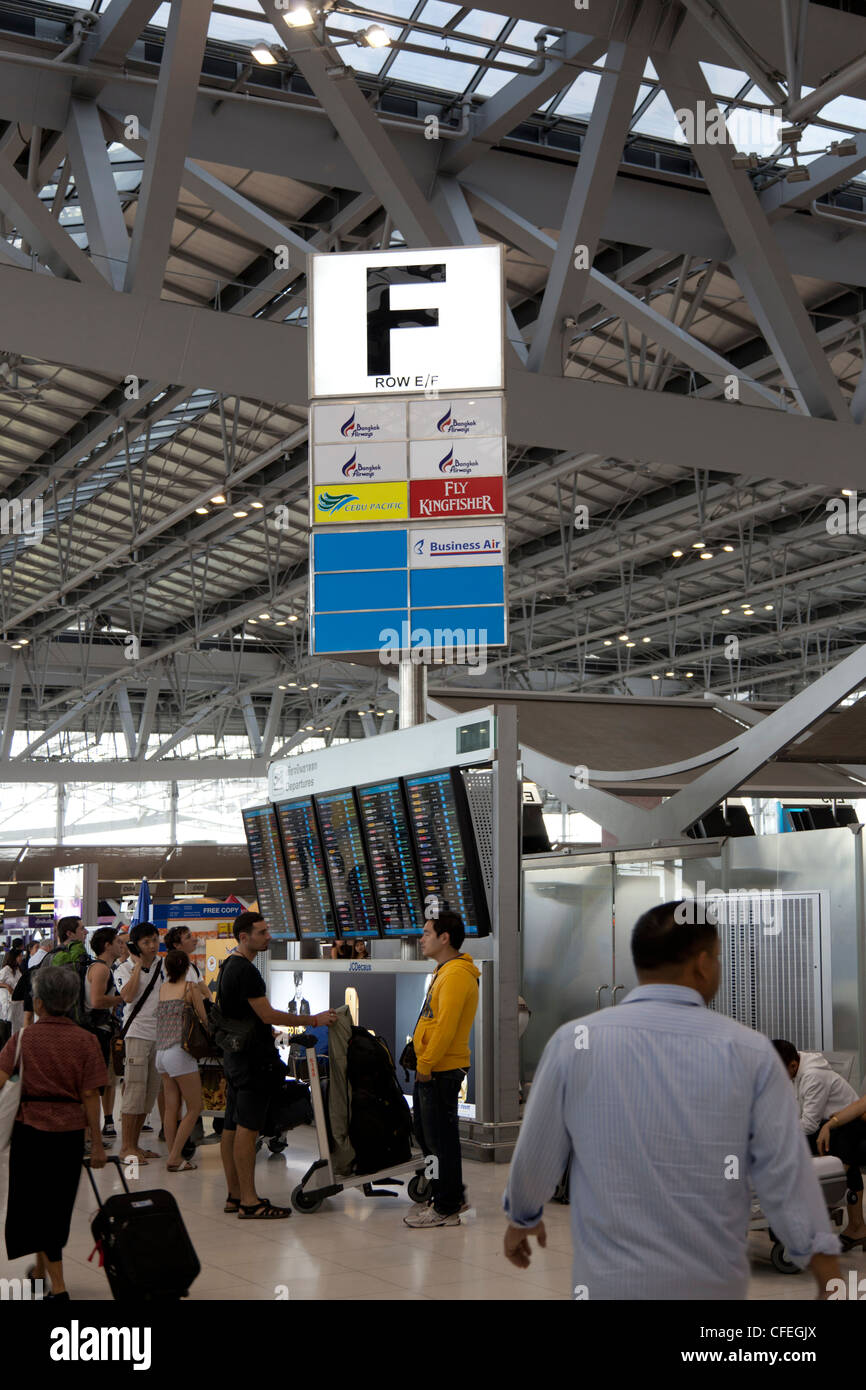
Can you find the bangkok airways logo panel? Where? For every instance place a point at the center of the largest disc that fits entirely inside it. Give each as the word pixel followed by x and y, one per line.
pixel 359 463
pixel 471 458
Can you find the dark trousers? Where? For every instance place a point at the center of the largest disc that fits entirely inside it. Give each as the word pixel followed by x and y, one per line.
pixel 847 1142
pixel 435 1119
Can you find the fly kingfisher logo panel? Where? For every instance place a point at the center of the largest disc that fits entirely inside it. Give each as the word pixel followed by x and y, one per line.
pixel 359 463
pixel 457 417
pixel 333 503
pixel 407 322
pixel 451 497
pixel 471 458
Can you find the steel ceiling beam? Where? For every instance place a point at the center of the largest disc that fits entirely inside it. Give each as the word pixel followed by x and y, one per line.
pixel 116 31
pixel 591 189
pixel 107 236
pixel 519 99
pixel 180 69
pixel 54 247
pixel 757 265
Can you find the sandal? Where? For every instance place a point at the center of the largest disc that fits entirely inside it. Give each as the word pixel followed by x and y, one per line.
pixel 232 1206
pixel 852 1242
pixel 184 1167
pixel 263 1211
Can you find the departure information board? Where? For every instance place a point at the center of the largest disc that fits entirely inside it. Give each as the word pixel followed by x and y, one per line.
pixel 392 863
pixel 269 871
pixel 442 827
pixel 306 865
pixel 346 863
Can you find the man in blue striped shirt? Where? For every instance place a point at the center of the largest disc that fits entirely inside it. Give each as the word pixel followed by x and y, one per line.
pixel 670 1113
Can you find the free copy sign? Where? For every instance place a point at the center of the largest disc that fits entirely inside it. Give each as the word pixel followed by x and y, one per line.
pixel 386 322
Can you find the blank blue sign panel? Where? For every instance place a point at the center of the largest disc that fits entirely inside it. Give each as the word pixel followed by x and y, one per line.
pixel 364 550
pixel 370 589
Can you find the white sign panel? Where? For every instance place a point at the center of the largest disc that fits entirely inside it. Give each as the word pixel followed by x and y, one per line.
pixel 435 547
pixel 424 748
pixel 358 421
pixel 385 322
pixel 474 458
pixel 359 463
pixel 460 417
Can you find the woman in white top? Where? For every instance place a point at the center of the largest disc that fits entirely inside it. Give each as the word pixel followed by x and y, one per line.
pixel 11 1014
pixel 180 1074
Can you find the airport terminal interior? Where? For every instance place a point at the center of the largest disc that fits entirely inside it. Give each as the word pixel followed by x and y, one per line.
pixel 367 371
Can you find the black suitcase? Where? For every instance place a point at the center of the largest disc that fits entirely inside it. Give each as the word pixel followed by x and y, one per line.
pixel 145 1247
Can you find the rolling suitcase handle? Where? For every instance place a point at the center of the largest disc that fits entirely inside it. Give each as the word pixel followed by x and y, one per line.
pixel 110 1158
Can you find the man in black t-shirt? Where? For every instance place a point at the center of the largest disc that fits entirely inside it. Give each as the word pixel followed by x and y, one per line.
pixel 253 1074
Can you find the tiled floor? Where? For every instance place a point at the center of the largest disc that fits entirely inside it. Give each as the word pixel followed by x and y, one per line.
pixel 354 1247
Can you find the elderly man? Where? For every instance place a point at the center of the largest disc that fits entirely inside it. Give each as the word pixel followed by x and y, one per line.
pixel 668 1112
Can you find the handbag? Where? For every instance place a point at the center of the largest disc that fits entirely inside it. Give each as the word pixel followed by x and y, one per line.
pixel 10 1097
pixel 408 1058
pixel 229 1034
pixel 118 1045
pixel 195 1038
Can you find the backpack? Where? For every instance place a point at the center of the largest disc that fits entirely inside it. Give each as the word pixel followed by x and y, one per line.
pixel 380 1121
pixel 68 957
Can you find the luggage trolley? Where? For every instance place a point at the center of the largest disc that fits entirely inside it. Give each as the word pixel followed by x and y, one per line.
pixel 830 1173
pixel 320 1180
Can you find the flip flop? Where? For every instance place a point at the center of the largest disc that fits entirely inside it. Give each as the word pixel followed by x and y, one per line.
pixel 852 1242
pixel 184 1167
pixel 142 1162
pixel 147 1153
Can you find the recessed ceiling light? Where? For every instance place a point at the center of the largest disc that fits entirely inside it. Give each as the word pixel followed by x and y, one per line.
pixel 677 554
pixel 745 605
pixel 293 682
pixel 305 687
pixel 706 555
pixel 380 714
pixel 623 637
pixel 257 506
pixel 728 549
pixel 726 611
pixel 847 492
pixel 655 678
pixel 240 513
pixel 630 644
pixel 282 687
pixel 689 675
pixel 218 499
pixel 252 620
pixel 281 622
pixel 390 711
pixel 669 673
pixel 608 641
pixel 646 639
pixel 308 727
pixel 203 511
pixel 293 617
pixel 264 616
pixel 768 607
pixel 314 685
pixel 698 545
pixel 24 641
pixel 16 646
pixel 748 612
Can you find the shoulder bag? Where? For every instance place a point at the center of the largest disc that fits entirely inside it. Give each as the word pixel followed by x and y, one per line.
pixel 230 1034
pixel 10 1097
pixel 118 1045
pixel 195 1037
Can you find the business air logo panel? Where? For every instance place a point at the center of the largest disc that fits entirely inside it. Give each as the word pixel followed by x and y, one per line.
pixel 338 503
pixel 359 463
pixel 439 547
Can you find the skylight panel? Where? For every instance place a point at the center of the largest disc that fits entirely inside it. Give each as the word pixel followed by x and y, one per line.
pixel 659 120
pixel 439 12
pixel 482 24
pixel 723 81
pixel 443 74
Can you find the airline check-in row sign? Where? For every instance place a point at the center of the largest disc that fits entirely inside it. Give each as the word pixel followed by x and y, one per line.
pixel 385 325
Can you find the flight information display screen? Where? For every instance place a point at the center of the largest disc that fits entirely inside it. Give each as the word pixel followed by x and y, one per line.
pixel 346 863
pixel 447 856
pixel 269 871
pixel 392 863
pixel 305 861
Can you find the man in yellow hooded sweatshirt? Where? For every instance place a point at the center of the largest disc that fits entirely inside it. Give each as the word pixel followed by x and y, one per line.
pixel 441 1044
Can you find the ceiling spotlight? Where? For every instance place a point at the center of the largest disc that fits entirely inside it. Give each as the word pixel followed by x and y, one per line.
pixel 745 605
pixel 847 492
pixel 282 687
pixel 768 607
pixel 748 612
pixel 309 728
pixel 257 506
pixel 203 511
pixel 218 499
pixel 698 545
pixel 631 644
pixel 305 687
pixel 268 55
pixel 314 685
pixel 655 678
pixel 646 639
pixel 240 514
pixel 706 555
pixel 728 549
pixel 264 616
pixel 374 36
pixel 293 617
pixel 689 675
pixel 669 673
pixel 676 554
pixel 16 646
pixel 293 682
pixel 623 637
pixel 389 711
pixel 300 16
pixel 725 612
pixel 281 622
pixel 380 714
pixel 252 620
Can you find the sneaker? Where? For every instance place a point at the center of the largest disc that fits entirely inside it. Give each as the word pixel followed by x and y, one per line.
pixel 429 1216
pixel 108 1130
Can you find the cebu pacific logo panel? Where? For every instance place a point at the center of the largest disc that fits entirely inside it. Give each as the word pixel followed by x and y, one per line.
pixel 360 502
